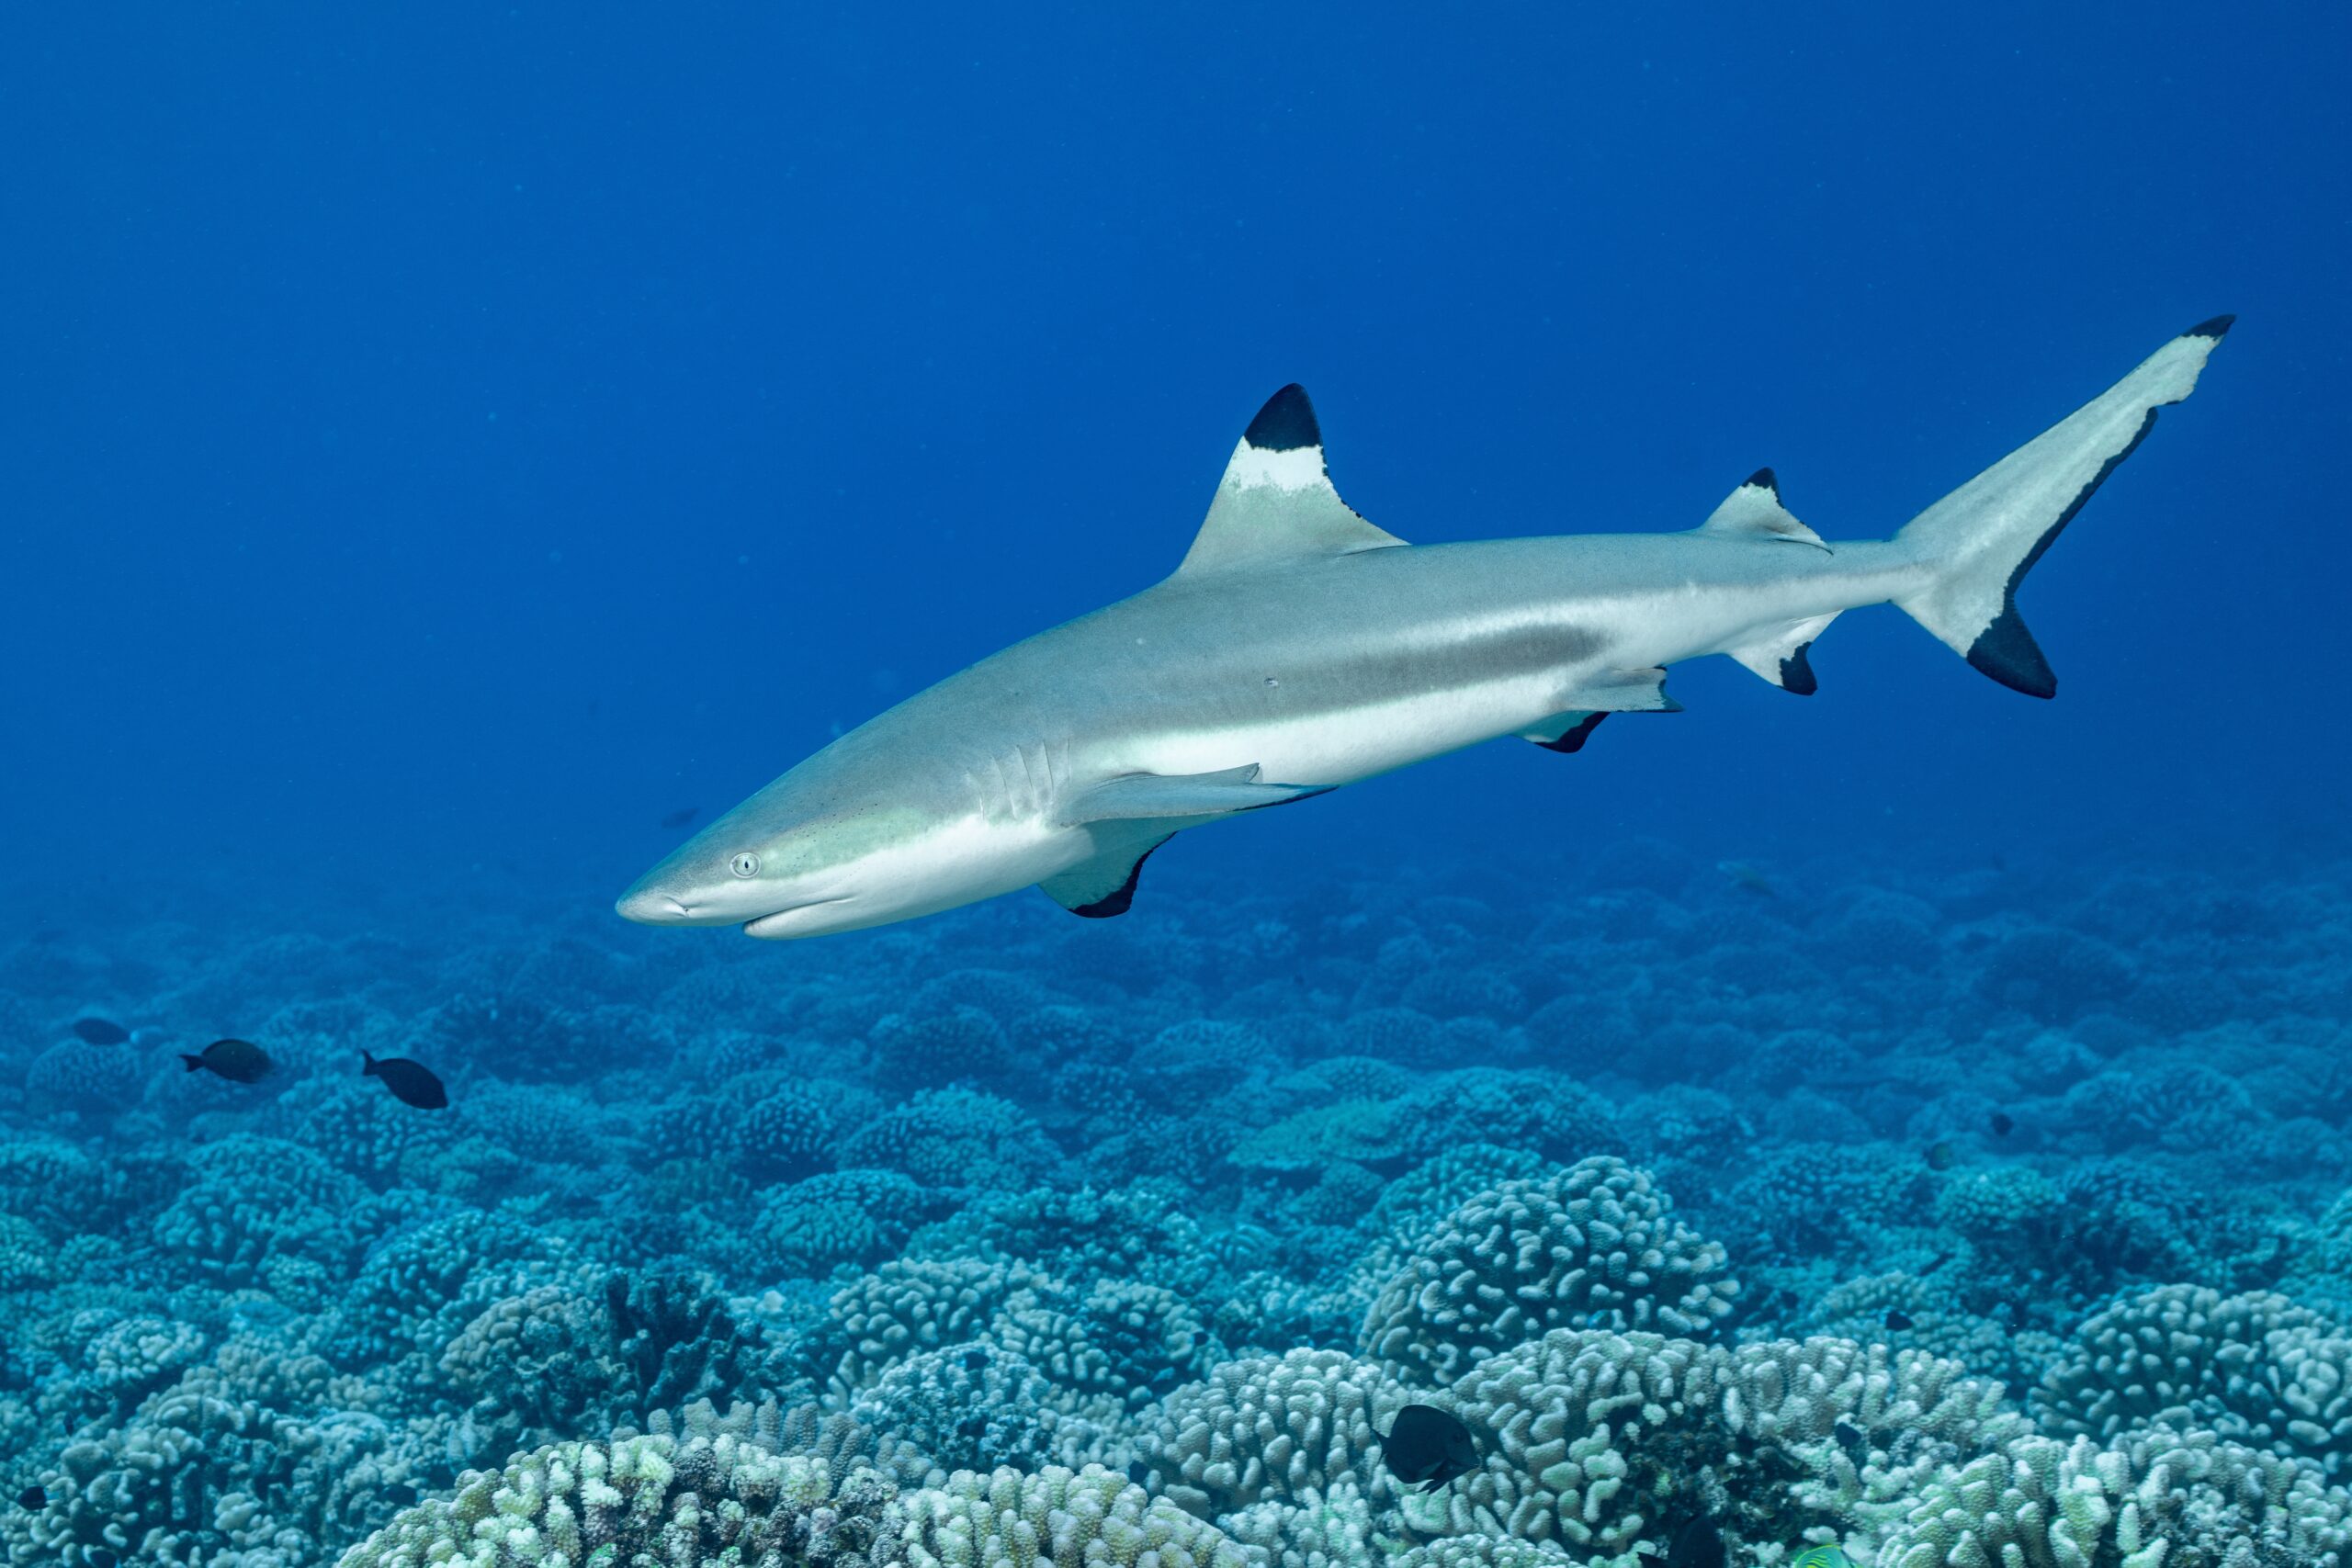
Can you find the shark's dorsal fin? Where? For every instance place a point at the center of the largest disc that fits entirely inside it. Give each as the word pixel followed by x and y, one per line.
pixel 1275 501
pixel 1753 510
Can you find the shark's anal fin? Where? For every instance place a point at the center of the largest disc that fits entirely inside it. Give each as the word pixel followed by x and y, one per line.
pixel 1104 884
pixel 1780 656
pixel 1754 510
pixel 1275 501
pixel 1139 796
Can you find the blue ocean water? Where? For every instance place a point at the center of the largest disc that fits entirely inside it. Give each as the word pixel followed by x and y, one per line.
pixel 449 446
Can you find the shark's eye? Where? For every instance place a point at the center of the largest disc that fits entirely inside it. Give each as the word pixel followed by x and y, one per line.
pixel 745 864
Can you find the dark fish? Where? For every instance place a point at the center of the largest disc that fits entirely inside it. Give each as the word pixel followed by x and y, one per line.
pixel 1941 1157
pixel 1138 1473
pixel 1849 1438
pixel 239 1061
pixel 402 1493
pixel 32 1497
pixel 1696 1545
pixel 100 1030
pixel 681 817
pixel 2002 1125
pixel 1897 1320
pixel 1938 1261
pixel 412 1083
pixel 1428 1446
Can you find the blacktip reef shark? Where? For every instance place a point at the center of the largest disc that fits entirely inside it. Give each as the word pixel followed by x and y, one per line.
pixel 1298 648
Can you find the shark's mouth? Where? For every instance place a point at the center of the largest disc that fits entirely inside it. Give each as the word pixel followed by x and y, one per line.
pixel 771 925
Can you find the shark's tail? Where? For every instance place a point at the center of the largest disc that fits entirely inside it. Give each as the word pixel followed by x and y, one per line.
pixel 1980 540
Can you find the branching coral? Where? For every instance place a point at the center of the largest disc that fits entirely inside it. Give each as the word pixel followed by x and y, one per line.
pixel 1088 1519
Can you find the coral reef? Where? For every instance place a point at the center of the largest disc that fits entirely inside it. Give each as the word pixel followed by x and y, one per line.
pixel 2009 1226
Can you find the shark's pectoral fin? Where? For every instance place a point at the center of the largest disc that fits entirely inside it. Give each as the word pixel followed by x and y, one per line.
pixel 1780 658
pixel 1276 503
pixel 1138 797
pixel 1104 884
pixel 1754 510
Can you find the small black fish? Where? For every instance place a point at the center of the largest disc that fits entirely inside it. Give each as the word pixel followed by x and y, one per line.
pixel 1849 1438
pixel 1428 1446
pixel 1138 1473
pixel 402 1493
pixel 1938 1261
pixel 1940 1157
pixel 97 1030
pixel 681 817
pixel 412 1083
pixel 239 1061
pixel 32 1498
pixel 1696 1545
pixel 1897 1320
pixel 2002 1125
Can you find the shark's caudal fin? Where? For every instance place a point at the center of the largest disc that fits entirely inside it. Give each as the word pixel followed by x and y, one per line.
pixel 1275 501
pixel 1982 538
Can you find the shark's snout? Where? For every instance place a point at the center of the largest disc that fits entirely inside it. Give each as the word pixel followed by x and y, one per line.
pixel 649 907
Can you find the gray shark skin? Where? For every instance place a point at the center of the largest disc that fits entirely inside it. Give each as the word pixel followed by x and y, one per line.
pixel 1298 648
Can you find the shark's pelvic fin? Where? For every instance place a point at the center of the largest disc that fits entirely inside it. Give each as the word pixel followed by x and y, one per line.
pixel 1565 732
pixel 1621 691
pixel 1275 501
pixel 1610 690
pixel 1780 658
pixel 1143 796
pixel 1754 510
pixel 1104 885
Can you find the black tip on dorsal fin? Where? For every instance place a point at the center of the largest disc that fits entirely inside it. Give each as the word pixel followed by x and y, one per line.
pixel 2217 329
pixel 1286 424
pixel 1764 478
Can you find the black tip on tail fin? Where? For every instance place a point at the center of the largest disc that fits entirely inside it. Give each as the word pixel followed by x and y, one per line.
pixel 1978 543
pixel 1286 424
pixel 2007 651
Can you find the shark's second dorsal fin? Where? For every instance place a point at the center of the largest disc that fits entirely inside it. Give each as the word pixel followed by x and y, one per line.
pixel 1754 510
pixel 1275 501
